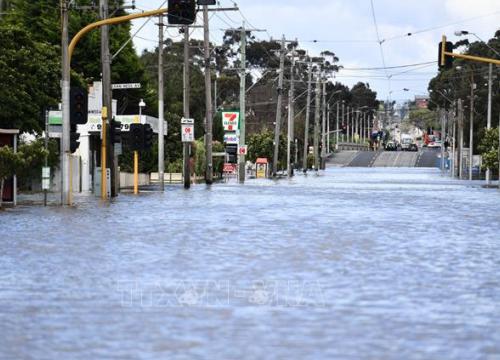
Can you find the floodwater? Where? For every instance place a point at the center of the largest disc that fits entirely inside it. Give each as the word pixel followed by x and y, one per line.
pixel 351 264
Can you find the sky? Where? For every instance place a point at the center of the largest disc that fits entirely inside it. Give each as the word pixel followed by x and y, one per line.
pixel 347 28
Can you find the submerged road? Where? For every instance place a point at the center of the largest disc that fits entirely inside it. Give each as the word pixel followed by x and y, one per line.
pixel 352 264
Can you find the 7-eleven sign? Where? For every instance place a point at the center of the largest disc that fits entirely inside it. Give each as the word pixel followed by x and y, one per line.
pixel 230 120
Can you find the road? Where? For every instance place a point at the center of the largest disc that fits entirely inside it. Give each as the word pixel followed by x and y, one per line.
pixel 353 263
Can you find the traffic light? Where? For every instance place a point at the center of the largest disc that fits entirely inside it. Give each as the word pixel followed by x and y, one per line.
pixel 115 132
pixel 181 12
pixel 78 106
pixel 148 137
pixel 136 137
pixel 445 61
pixel 74 138
pixel 232 154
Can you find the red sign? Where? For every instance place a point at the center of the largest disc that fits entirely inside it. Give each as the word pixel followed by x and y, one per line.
pixel 229 168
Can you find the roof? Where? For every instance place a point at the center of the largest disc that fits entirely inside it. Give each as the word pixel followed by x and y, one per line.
pixel 9 131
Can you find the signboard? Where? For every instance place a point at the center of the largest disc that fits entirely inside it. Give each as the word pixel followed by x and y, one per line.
pixel 231 138
pixel 187 132
pixel 126 86
pixel 229 168
pixel 243 150
pixel 230 120
pixel 46 178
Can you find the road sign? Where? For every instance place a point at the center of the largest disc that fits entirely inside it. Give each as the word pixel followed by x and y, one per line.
pixel 46 178
pixel 187 121
pixel 230 120
pixel 187 132
pixel 243 150
pixel 231 138
pixel 229 168
pixel 126 86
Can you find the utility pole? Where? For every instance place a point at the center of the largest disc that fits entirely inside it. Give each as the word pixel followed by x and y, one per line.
pixel 460 138
pixel 337 126
pixel 208 100
pixel 308 116
pixel 488 125
pixel 328 128
pixel 186 172
pixel 277 130
pixel 343 119
pixel 471 139
pixel 317 115
pixel 243 74
pixel 323 123
pixel 65 143
pixel 161 109
pixel 291 117
pixel 106 92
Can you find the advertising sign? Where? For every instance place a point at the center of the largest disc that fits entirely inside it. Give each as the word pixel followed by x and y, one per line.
pixel 230 120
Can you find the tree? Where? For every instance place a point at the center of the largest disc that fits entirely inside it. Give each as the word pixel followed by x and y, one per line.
pixel 488 148
pixel 10 163
pixel 29 74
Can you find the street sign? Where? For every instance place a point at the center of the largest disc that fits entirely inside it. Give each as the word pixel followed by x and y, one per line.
pixel 126 86
pixel 243 150
pixel 231 138
pixel 187 132
pixel 230 120
pixel 229 168
pixel 187 121
pixel 46 178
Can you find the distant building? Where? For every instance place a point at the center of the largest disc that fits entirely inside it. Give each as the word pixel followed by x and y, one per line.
pixel 422 102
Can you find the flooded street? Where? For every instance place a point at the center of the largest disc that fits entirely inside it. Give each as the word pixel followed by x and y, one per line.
pixel 354 264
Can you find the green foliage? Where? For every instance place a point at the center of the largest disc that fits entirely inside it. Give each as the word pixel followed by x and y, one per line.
pixel 10 162
pixel 33 155
pixel 424 118
pixel 489 149
pixel 199 158
pixel 29 74
pixel 262 146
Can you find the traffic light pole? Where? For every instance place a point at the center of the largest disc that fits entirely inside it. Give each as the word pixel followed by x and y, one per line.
pixel 186 172
pixel 104 135
pixel 65 143
pixel 161 108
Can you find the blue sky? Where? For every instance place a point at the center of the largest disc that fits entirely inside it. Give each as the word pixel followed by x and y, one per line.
pixel 347 28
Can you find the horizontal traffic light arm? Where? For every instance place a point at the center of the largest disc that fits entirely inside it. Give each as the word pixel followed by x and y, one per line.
pixel 445 53
pixel 112 21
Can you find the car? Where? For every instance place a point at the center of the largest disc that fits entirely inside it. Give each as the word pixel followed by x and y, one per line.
pixel 434 145
pixel 413 147
pixel 391 146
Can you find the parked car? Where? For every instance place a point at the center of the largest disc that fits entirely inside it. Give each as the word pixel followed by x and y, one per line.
pixel 391 146
pixel 413 147
pixel 434 145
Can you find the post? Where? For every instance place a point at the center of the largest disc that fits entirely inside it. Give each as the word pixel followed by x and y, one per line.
pixel 488 125
pixel 443 134
pixel 343 119
pixel 277 131
pixel 308 115
pixel 136 172
pixel 471 130
pixel 161 109
pixel 328 129
pixel 65 143
pixel 323 123
pixel 454 142
pixel 209 173
pixel 460 139
pixel 106 91
pixel 46 143
pixel 317 115
pixel 291 116
pixel 186 94
pixel 241 158
pixel 104 135
pixel 337 126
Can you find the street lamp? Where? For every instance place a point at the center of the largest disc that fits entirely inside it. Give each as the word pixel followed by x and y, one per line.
pixel 142 105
